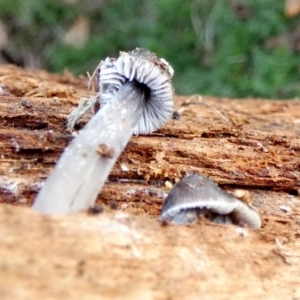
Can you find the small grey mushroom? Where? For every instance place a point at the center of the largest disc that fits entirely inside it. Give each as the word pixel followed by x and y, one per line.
pixel 196 195
pixel 136 96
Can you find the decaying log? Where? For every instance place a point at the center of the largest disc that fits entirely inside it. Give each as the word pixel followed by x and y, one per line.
pixel 258 148
pixel 258 151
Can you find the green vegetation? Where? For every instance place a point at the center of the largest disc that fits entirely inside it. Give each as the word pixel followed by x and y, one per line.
pixel 216 47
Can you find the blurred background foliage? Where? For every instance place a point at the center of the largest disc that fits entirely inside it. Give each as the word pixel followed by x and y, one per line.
pixel 229 48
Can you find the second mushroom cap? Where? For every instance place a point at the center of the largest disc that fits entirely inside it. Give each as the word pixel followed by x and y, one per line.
pixel 196 195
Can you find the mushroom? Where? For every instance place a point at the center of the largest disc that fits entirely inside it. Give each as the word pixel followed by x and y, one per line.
pixel 196 195
pixel 137 97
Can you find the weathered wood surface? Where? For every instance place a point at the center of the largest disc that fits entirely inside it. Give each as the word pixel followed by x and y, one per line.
pixel 258 150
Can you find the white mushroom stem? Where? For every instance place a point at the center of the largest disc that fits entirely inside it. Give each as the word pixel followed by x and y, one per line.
pixel 81 171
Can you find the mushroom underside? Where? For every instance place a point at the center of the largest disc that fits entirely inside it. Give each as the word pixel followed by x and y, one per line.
pixel 238 214
pixel 144 67
pixel 192 215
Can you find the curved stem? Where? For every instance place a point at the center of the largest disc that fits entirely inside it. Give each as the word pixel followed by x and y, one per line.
pixel 81 171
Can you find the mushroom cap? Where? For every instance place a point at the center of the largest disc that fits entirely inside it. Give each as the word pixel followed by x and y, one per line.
pixel 196 194
pixel 144 67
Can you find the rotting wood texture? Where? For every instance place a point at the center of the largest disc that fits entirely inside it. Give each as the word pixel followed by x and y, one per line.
pixel 257 151
pixel 258 148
